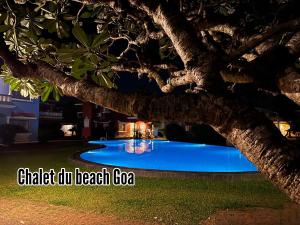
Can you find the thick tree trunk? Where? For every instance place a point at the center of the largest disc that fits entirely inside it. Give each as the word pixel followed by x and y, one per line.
pixel 249 130
pixel 263 145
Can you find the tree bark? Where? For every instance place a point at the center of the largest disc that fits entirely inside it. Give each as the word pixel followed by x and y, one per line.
pixel 250 131
pixel 255 40
pixel 274 66
pixel 289 84
pixel 197 61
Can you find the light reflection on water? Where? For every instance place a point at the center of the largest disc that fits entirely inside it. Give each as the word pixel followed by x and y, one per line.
pixel 138 147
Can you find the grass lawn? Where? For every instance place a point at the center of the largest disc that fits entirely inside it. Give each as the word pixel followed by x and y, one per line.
pixel 182 201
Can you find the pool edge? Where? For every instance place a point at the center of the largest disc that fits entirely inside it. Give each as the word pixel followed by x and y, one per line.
pixel 77 160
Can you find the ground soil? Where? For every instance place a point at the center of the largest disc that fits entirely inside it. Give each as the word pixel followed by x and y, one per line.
pixel 19 211
pixel 49 146
pixel 288 215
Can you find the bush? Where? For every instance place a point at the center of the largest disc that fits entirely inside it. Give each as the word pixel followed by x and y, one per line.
pixel 204 134
pixel 175 132
pixel 111 130
pixel 8 132
pixel 49 132
pixel 199 133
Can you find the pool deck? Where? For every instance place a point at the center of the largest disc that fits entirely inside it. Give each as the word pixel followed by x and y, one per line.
pixel 77 160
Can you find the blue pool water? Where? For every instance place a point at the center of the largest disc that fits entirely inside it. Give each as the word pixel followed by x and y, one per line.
pixel 169 156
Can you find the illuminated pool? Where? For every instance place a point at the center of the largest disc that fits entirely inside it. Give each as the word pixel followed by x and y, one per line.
pixel 168 156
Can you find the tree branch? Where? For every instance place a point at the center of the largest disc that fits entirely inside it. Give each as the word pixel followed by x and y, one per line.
pixel 222 28
pixel 10 60
pixel 286 78
pixel 255 40
pixel 289 84
pixel 175 26
pixel 238 77
pixel 153 74
pixel 199 63
pixel 177 81
pixel 294 44
pixel 250 131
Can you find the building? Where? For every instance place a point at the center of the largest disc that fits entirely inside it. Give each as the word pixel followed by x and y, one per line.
pixel 68 118
pixel 50 120
pixel 19 111
pixel 100 122
pixel 287 127
pixel 131 127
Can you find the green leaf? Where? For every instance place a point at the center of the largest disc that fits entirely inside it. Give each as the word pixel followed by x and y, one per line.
pixel 30 34
pixel 35 29
pixel 68 17
pixel 104 65
pixel 14 84
pixel 52 6
pixel 26 87
pixel 85 15
pixel 3 17
pixel 39 25
pixel 39 19
pixel 80 35
pixel 99 39
pixel 30 87
pixel 46 92
pixel 51 25
pixel 94 58
pixel 24 92
pixel 67 55
pixel 103 79
pixel 26 41
pixel 49 60
pixel 111 58
pixel 56 94
pixel 4 28
pixel 80 67
pixel 62 29
pixel 107 81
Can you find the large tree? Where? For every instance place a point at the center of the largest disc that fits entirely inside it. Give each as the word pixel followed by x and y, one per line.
pixel 195 51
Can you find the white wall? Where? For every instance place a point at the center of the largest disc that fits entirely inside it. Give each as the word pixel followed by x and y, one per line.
pixel 4 89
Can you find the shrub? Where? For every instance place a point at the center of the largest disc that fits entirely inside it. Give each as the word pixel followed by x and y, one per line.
pixel 8 132
pixel 175 132
pixel 50 131
pixel 204 134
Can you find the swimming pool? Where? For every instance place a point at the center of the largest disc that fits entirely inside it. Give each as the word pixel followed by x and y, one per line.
pixel 168 156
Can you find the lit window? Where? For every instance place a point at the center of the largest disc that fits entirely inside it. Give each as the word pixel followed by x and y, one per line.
pixel 122 127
